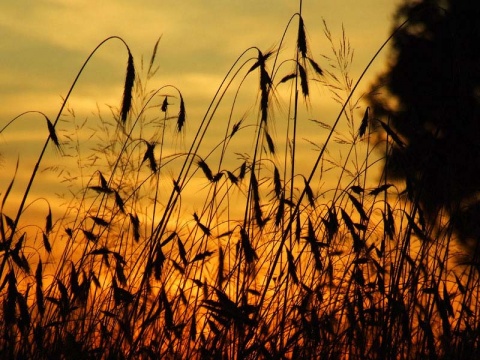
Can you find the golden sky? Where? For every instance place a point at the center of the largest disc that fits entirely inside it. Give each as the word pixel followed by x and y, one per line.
pixel 43 44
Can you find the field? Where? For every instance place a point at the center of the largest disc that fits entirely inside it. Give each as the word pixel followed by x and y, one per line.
pixel 225 247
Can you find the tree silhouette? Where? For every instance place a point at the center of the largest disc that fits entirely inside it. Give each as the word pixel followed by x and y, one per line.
pixel 433 103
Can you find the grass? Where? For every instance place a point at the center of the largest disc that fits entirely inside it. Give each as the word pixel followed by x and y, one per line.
pixel 215 252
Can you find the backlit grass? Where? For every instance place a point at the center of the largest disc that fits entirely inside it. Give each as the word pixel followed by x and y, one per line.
pixel 224 246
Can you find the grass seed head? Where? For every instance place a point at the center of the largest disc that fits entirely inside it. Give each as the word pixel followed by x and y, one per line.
pixel 150 156
pixel 292 269
pixel 53 134
pixel 249 252
pixel 206 170
pixel 46 243
pixel 182 115
pixel 165 104
pixel 277 182
pixel 302 38
pixel 271 145
pixel 364 123
pixel 119 202
pixel 303 81
pixel 127 89
pixel 315 66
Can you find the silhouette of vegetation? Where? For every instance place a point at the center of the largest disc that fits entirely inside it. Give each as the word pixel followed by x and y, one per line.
pixel 212 248
pixel 433 105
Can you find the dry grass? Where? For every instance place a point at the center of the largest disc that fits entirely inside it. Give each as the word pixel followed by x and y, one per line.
pixel 265 262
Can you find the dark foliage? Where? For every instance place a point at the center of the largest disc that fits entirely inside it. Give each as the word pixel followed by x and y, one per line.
pixel 435 76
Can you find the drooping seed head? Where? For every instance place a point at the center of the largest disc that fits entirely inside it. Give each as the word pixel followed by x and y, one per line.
pixel 302 38
pixel 181 115
pixel 127 89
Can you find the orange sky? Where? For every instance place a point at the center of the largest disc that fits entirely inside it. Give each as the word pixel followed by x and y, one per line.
pixel 43 44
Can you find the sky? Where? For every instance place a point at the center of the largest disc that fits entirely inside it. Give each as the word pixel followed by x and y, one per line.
pixel 44 43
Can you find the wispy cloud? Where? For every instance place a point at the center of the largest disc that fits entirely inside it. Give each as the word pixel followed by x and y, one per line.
pixel 44 43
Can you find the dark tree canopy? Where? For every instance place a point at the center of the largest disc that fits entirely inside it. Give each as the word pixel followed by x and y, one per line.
pixel 434 79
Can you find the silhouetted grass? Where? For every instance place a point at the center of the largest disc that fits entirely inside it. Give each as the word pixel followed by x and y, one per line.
pixel 218 252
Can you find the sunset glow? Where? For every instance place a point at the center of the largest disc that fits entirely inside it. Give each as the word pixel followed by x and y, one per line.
pixel 209 181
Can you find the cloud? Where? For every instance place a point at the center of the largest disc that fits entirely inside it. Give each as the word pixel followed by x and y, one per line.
pixel 44 43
